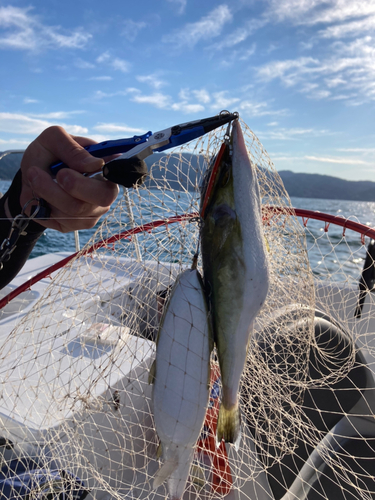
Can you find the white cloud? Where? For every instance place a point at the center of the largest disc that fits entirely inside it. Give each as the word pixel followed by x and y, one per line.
pixel 99 94
pixel 14 143
pixel 234 56
pixel 290 9
pixel 358 150
pixel 314 93
pixel 180 4
pixel 117 128
pixel 28 100
pixel 334 81
pixel 157 99
pixel 187 108
pixel 20 30
pixel 346 73
pixel 132 90
pixel 132 28
pixel 259 109
pixel 320 159
pixel 349 28
pixel 245 54
pixel 103 78
pixel 120 65
pixel 14 123
pixel 114 62
pixel 57 115
pixel 239 35
pixel 103 57
pixel 292 134
pixel 344 161
pixel 202 96
pixel 153 80
pixel 306 45
pixel 290 71
pixel 312 12
pixel 340 11
pixel 222 101
pixel 163 101
pixel 83 64
pixel 338 18
pixel 350 98
pixel 206 28
pixel 184 94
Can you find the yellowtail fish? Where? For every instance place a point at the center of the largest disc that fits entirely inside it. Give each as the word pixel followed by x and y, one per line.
pixel 235 267
pixel 181 376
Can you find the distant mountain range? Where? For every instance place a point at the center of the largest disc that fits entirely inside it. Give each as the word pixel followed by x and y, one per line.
pixel 296 184
pixel 9 166
pixel 326 187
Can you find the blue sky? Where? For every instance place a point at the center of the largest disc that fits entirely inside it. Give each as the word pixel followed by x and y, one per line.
pixel 301 73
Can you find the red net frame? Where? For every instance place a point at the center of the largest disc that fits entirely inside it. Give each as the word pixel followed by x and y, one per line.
pixel 305 215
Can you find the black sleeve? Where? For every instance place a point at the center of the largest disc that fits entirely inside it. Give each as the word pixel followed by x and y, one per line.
pixel 26 242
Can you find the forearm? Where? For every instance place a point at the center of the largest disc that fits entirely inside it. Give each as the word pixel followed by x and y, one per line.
pixel 9 208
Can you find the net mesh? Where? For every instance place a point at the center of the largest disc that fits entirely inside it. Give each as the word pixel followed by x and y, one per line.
pixel 77 413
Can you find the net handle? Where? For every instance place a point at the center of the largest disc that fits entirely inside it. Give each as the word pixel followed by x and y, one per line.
pixel 304 214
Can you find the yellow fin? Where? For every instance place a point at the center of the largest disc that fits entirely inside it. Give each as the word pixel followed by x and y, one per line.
pixel 267 245
pixel 159 451
pixel 229 426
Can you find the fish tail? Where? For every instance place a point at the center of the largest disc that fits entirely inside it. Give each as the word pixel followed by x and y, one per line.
pixel 229 425
pixel 164 472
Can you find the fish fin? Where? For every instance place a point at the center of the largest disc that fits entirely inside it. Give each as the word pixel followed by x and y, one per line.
pixel 229 426
pixel 152 372
pixel 267 245
pixel 197 476
pixel 159 451
pixel 164 472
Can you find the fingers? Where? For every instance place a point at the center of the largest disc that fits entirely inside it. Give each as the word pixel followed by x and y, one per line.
pixel 77 202
pixel 85 141
pixel 90 190
pixel 59 145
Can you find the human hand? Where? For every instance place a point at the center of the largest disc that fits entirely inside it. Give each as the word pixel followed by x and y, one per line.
pixel 76 202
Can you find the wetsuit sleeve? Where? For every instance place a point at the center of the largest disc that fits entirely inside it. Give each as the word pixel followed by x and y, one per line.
pixel 26 242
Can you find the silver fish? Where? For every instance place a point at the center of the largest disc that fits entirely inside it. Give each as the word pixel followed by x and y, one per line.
pixel 181 376
pixel 235 268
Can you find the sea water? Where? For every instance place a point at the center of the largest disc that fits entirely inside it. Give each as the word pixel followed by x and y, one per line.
pixel 332 249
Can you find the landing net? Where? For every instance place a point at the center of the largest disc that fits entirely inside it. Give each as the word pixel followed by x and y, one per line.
pixel 76 413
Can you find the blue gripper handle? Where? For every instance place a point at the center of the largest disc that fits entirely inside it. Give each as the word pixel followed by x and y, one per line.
pixel 108 148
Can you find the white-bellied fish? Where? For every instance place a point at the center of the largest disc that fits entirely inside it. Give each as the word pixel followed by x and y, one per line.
pixel 235 267
pixel 181 377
